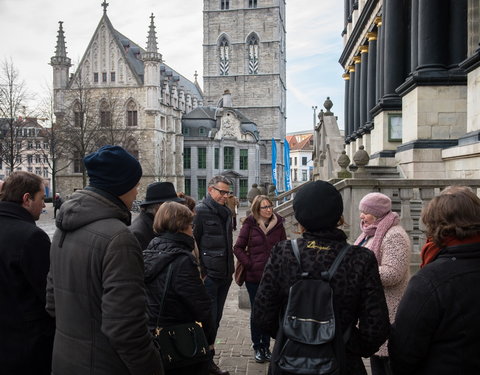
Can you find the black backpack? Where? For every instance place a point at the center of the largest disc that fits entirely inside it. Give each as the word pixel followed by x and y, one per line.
pixel 309 326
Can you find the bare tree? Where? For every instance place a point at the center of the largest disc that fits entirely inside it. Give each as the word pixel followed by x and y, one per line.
pixel 90 119
pixel 13 96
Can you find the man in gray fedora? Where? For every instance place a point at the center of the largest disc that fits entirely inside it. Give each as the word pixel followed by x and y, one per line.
pixel 142 225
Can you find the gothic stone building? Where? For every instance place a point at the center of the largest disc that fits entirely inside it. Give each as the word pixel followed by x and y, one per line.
pixel 244 52
pixel 130 92
pixel 412 78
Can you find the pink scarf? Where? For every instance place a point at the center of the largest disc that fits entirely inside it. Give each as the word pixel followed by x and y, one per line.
pixel 377 230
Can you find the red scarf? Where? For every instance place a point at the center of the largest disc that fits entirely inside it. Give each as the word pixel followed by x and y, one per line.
pixel 430 250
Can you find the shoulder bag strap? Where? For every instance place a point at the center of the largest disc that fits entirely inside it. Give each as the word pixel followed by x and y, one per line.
pixel 333 268
pixel 296 252
pixel 164 294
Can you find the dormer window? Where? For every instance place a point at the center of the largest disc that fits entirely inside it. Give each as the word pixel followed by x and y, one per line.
pixel 202 131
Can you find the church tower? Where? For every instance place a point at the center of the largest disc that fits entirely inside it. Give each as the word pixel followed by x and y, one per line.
pixel 244 52
pixel 61 65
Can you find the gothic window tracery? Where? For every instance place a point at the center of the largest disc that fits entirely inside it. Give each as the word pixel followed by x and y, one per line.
pixel 224 56
pixel 252 45
pixel 132 117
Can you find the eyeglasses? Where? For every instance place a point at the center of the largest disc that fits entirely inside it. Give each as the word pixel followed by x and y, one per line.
pixel 222 192
pixel 266 207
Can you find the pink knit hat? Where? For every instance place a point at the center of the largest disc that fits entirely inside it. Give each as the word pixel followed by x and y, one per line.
pixel 376 204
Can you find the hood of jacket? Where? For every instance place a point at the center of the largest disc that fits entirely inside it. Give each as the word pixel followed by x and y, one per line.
pixel 88 206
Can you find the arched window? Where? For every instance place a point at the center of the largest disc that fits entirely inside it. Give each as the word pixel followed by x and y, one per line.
pixel 224 54
pixel 132 117
pixel 105 114
pixel 252 45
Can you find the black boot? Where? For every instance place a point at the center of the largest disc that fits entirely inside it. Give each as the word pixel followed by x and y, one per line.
pixel 259 357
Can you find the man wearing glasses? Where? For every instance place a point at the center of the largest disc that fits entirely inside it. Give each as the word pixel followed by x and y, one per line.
pixel 213 233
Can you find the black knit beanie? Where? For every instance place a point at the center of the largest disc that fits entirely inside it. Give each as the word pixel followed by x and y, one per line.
pixel 112 169
pixel 318 205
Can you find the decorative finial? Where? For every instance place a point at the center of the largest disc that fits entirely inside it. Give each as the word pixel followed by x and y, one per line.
pixel 104 5
pixel 196 75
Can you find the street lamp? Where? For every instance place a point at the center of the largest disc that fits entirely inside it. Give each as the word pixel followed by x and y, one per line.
pixel 314 107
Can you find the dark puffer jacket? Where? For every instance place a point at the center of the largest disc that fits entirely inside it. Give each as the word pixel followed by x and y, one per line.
pixel 96 291
pixel 437 327
pixel 357 288
pixel 187 299
pixel 258 245
pixel 213 233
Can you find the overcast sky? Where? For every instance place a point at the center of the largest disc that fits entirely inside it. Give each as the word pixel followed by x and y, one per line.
pixel 28 30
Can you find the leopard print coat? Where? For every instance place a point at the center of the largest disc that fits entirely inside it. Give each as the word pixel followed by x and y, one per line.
pixel 358 293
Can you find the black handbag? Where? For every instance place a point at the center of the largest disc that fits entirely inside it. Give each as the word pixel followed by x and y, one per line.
pixel 180 345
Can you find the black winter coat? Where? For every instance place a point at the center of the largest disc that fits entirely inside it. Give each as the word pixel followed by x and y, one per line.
pixel 186 299
pixel 437 327
pixel 96 291
pixel 26 330
pixel 356 285
pixel 142 228
pixel 213 233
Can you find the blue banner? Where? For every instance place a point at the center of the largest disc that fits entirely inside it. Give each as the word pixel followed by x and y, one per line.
pixel 286 158
pixel 274 164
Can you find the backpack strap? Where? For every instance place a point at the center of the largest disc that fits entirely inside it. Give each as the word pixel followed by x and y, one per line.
pixel 296 252
pixel 327 275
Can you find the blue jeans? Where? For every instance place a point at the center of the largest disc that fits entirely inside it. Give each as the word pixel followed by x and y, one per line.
pixel 217 289
pixel 259 338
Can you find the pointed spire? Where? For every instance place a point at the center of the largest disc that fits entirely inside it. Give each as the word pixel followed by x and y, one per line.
pixel 196 75
pixel 152 50
pixel 60 49
pixel 60 57
pixel 152 37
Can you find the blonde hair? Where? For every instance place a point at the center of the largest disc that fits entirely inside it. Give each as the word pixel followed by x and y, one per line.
pixel 257 202
pixel 172 217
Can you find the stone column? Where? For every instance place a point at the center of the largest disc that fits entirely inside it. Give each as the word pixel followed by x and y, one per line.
pixel 414 36
pixel 356 94
pixel 346 77
pixel 347 11
pixel 458 34
pixel 379 62
pixel 351 96
pixel 371 80
pixel 394 48
pixel 363 85
pixel 432 35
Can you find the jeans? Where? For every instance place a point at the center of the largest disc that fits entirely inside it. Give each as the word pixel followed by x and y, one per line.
pixel 217 289
pixel 259 338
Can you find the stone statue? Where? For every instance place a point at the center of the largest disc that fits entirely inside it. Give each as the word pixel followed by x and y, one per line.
pixel 254 191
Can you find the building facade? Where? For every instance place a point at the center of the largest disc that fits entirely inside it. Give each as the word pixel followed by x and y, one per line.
pixel 301 163
pixel 220 141
pixel 122 94
pixel 244 52
pixel 412 73
pixel 31 150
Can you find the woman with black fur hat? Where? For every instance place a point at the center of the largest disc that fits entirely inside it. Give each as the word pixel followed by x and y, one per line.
pixel 357 290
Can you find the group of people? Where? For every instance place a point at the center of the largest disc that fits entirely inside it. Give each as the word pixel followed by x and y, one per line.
pixel 89 301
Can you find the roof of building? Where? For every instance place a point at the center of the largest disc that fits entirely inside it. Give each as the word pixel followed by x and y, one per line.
pixel 304 143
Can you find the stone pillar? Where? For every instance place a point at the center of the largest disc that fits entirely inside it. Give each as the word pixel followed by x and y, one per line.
pixel 371 80
pixel 379 62
pixel 432 35
pixel 394 48
pixel 351 96
pixel 346 77
pixel 414 36
pixel 347 12
pixel 458 34
pixel 363 85
pixel 356 94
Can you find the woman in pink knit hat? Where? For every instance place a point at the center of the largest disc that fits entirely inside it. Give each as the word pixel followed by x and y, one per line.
pixel 382 234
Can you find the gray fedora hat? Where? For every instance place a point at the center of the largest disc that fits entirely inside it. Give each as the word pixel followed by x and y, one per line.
pixel 159 192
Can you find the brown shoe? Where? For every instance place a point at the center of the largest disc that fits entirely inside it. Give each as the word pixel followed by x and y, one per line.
pixel 215 370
